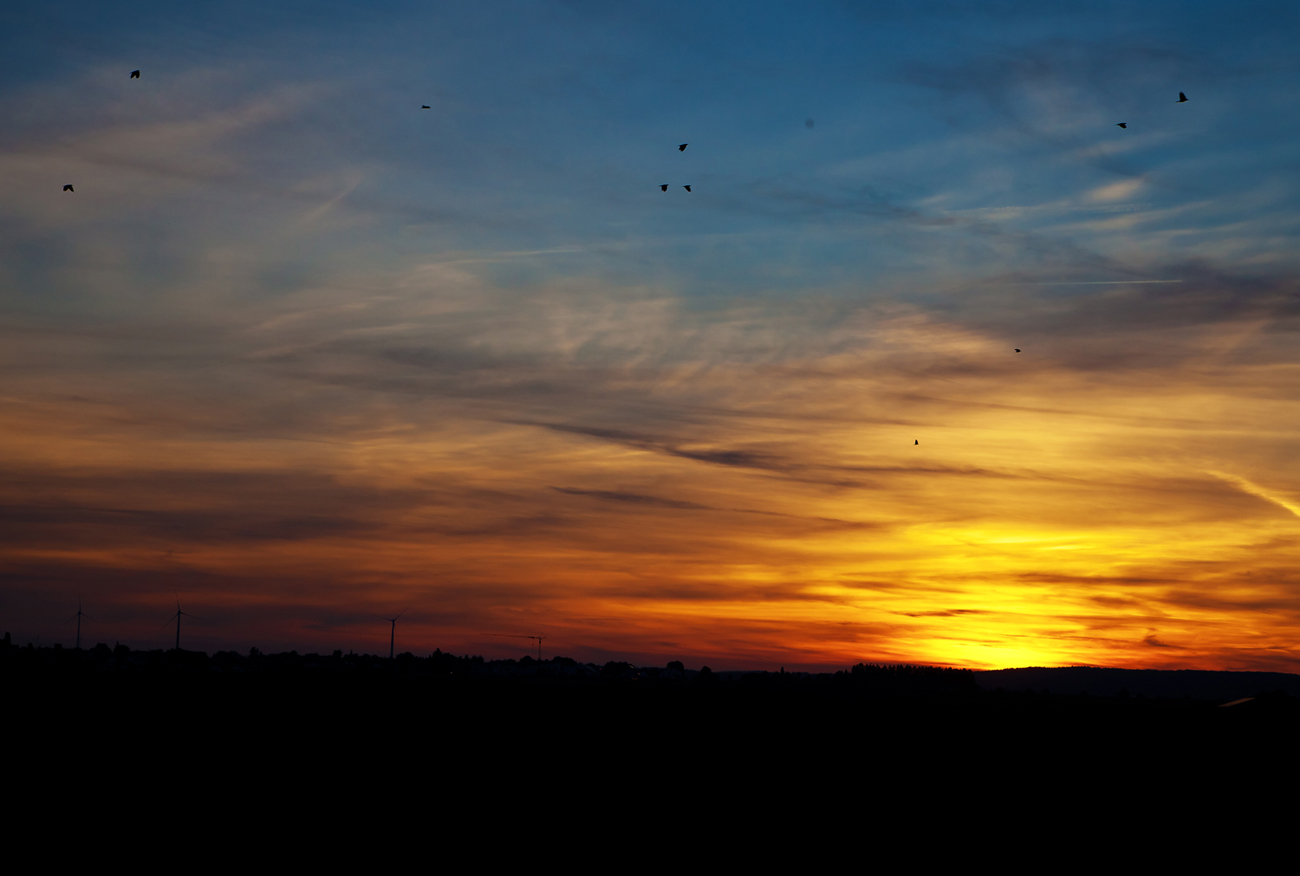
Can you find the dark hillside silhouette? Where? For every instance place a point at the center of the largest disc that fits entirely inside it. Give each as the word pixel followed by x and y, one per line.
pixel 1073 685
pixel 1198 684
pixel 340 727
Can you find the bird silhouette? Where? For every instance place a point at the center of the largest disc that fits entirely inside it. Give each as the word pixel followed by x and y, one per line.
pixel 1122 125
pixel 914 443
pixel 682 148
pixel 135 74
pixel 1017 349
pixel 688 188
pixel 1182 98
pixel 69 188
pixel 664 187
pixel 424 106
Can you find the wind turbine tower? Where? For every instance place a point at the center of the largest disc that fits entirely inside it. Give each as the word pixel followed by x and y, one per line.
pixel 177 617
pixel 79 615
pixel 392 632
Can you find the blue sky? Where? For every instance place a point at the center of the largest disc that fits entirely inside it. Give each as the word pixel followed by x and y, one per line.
pixel 982 134
pixel 270 242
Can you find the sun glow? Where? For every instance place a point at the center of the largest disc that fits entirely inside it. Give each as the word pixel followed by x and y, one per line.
pixel 964 373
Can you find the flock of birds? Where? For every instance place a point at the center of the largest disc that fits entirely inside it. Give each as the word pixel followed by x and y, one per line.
pixel 1182 98
pixel 663 187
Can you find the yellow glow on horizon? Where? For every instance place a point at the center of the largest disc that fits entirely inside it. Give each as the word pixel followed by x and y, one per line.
pixel 746 520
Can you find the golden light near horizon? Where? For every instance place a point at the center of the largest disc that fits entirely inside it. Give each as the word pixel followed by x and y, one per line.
pixel 1033 526
pixel 993 384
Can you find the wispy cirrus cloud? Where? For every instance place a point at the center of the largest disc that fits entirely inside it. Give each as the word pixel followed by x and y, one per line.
pixel 299 351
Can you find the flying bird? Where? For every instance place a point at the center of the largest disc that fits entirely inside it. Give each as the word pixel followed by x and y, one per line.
pixel 664 187
pixel 688 188
pixel 1017 349
pixel 1182 98
pixel 914 443
pixel 1122 125
pixel 135 74
pixel 682 148
pixel 424 106
pixel 69 188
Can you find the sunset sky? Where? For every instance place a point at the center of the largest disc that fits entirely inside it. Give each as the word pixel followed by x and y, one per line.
pixel 297 353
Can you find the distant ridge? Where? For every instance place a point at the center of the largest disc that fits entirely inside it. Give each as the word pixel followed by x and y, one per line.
pixel 1198 684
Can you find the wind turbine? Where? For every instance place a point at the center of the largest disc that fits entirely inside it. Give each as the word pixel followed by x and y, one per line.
pixel 177 617
pixel 392 633
pixel 537 639
pixel 79 615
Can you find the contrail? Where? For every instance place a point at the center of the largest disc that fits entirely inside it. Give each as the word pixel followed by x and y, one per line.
pixel 1255 490
pixel 518 254
pixel 1090 283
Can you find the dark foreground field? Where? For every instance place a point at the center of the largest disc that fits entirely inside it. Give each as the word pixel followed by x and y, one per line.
pixel 412 745
pixel 458 714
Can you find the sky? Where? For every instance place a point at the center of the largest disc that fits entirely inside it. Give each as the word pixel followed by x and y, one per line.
pixel 296 353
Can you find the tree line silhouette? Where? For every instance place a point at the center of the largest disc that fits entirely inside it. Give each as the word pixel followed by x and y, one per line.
pixel 1178 688
pixel 120 659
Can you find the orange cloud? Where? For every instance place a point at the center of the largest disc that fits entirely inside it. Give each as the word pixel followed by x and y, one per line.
pixel 636 481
